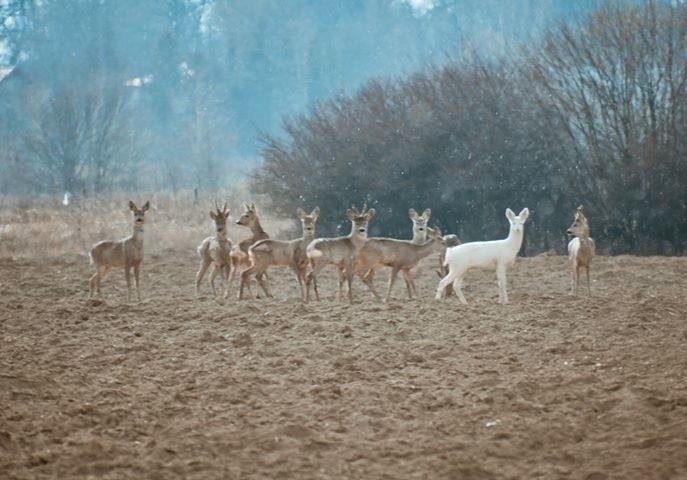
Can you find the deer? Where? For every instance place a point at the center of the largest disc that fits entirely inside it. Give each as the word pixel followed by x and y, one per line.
pixel 290 253
pixel 400 255
pixel 339 251
pixel 372 253
pixel 215 251
pixel 581 250
pixel 496 255
pixel 419 224
pixel 450 240
pixel 239 254
pixel 127 253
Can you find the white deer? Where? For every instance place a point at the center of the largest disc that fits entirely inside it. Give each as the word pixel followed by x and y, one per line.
pixel 581 250
pixel 215 251
pixel 290 253
pixel 339 251
pixel 127 253
pixel 400 255
pixel 493 255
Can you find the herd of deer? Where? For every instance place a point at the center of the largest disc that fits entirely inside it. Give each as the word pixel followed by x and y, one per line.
pixel 354 254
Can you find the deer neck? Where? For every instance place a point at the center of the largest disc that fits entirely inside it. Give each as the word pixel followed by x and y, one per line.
pixel 514 240
pixel 258 232
pixel 419 238
pixel 137 236
pixel 357 239
pixel 424 249
pixel 308 237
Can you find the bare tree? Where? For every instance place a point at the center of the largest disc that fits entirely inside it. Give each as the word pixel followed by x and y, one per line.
pixel 616 82
pixel 79 140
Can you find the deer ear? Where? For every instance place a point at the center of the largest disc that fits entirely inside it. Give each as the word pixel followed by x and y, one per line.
pixel 315 213
pixel 427 213
pixel 510 215
pixel 350 214
pixel 370 213
pixel 524 213
pixel 212 215
pixel 300 213
pixel 132 206
pixel 146 206
pixel 412 214
pixel 253 207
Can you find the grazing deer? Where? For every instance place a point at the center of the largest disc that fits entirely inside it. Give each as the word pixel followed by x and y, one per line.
pixel 340 251
pixel 400 255
pixel 239 254
pixel 127 253
pixel 215 251
pixel 494 255
pixel 581 250
pixel 290 253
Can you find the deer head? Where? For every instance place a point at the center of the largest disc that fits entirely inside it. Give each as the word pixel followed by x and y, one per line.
pixel 308 221
pixel 139 213
pixel 579 227
pixel 220 218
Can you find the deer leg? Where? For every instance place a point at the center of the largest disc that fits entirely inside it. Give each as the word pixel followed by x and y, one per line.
pixel 93 282
pixel 224 274
pixel 201 272
pixel 137 274
pixel 443 283
pixel 263 281
pixel 458 290
pixel 127 274
pixel 348 269
pixel 368 279
pixel 312 278
pixel 213 274
pixel 501 281
pixel 589 283
pixel 410 283
pixel 102 271
pixel 342 276
pixel 392 280
pixel 245 282
pixel 235 263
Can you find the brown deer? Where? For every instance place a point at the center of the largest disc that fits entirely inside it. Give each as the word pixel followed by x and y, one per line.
pixel 581 250
pixel 372 254
pixel 400 255
pixel 127 253
pixel 339 251
pixel 239 254
pixel 290 253
pixel 214 251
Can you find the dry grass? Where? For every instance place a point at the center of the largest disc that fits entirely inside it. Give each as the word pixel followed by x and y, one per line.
pixel 30 228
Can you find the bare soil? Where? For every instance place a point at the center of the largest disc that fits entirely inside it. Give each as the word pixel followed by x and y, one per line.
pixel 550 386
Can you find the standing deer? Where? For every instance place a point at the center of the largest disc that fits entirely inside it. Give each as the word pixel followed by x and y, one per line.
pixel 373 253
pixel 127 253
pixel 493 255
pixel 400 255
pixel 215 251
pixel 581 250
pixel 450 240
pixel 419 224
pixel 239 254
pixel 339 251
pixel 290 253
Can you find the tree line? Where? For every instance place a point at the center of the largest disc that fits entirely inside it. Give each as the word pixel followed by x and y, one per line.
pixel 595 113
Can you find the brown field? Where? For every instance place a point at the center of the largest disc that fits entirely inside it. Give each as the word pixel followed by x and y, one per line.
pixel 550 386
